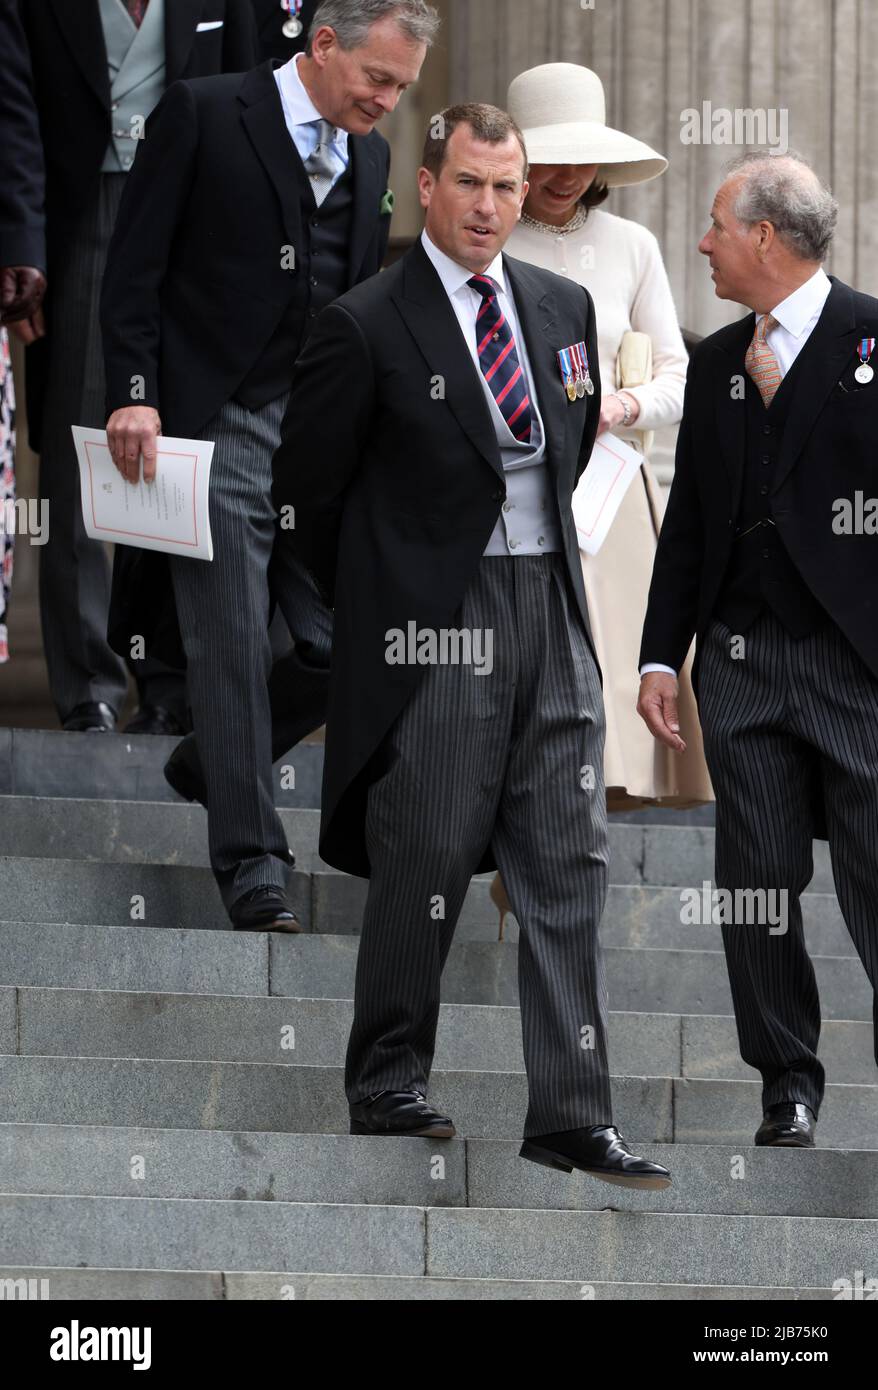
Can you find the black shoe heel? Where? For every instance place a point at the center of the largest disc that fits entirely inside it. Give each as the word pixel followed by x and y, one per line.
pixel 544 1156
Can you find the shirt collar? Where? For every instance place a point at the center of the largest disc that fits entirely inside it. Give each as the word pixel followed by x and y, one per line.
pixel 455 276
pixel 804 306
pixel 300 107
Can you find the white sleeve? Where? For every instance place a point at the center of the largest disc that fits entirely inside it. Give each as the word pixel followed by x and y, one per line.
pixel 653 312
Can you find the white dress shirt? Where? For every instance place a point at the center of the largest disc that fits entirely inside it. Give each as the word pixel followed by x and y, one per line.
pixel 301 116
pixel 528 523
pixel 797 317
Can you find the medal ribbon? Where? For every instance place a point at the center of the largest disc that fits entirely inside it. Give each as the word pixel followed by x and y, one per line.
pixel 566 366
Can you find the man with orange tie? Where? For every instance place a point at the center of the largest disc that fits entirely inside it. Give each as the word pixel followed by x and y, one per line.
pixel 767 553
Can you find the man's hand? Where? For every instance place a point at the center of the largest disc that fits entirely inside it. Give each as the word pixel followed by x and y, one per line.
pixel 132 434
pixel 28 330
pixel 21 292
pixel 657 707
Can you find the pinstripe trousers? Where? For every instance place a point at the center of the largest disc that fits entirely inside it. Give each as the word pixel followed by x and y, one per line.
pixel 511 759
pixel 223 608
pixel 75 570
pixel 791 720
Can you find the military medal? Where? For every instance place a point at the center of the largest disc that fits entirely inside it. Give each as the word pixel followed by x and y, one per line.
pixel 568 374
pixel 864 372
pixel 581 354
pixel 292 26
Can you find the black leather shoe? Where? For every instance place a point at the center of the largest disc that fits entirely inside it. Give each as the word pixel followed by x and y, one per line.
pixel 787 1126
pixel 264 909
pixel 599 1151
pixel 155 719
pixel 399 1112
pixel 183 772
pixel 93 718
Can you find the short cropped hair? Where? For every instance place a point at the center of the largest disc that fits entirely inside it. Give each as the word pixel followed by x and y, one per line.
pixel 487 123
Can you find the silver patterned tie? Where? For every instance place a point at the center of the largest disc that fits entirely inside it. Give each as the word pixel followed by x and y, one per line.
pixel 319 165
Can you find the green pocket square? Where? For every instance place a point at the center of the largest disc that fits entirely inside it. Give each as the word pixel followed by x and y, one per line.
pixel 386 202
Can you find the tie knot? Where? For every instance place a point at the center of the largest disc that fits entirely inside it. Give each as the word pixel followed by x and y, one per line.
pixel 765 327
pixel 325 132
pixel 484 285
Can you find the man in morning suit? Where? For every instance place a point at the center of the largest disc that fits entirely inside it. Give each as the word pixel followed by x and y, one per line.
pixel 99 68
pixel 430 450
pixel 777 441
pixel 254 202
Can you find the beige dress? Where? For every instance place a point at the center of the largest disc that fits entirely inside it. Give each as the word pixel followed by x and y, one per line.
pixel 621 266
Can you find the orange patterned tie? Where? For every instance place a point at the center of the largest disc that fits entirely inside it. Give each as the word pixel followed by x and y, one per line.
pixel 761 363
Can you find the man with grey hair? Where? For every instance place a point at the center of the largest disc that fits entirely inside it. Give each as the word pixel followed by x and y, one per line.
pixel 255 200
pixel 768 554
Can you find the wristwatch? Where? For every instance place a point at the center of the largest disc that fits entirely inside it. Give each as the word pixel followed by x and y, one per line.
pixel 626 406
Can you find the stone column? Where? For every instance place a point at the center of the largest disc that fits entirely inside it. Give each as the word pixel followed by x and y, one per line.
pixel 818 62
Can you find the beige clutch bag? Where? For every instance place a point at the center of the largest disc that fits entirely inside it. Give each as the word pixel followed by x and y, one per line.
pixel 634 368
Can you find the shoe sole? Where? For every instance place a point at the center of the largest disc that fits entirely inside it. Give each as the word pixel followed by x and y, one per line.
pixel 651 1182
pixel 288 928
pixel 428 1132
pixel 785 1144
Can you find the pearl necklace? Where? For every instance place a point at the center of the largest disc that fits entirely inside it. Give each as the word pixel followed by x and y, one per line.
pixel 576 223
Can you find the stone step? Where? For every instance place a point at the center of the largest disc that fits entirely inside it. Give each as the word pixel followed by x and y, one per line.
pixel 306 1099
pixel 688 1249
pixel 305 1032
pixel 38 761
pixel 158 1233
pixel 125 958
pixel 322 967
pixel 113 1285
pixel 167 895
pixel 314 1032
pixel 650 980
pixel 124 767
pixel 149 832
pixel 97 1161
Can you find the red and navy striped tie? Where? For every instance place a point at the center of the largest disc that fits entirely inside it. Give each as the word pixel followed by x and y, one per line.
pixel 499 361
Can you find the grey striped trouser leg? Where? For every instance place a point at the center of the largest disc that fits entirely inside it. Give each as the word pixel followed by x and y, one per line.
pixel 74 570
pixel 790 716
pixel 223 607
pixel 481 759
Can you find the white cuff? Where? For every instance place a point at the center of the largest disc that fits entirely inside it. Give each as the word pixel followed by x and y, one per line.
pixel 657 666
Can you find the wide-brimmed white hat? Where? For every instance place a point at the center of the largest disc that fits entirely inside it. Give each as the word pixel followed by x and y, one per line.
pixel 562 110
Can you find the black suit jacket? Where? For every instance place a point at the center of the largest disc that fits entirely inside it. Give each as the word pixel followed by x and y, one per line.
pixel 270 19
pixel 72 88
pixel 828 452
pixel 22 232
pixel 396 493
pixel 195 288
pixel 195 284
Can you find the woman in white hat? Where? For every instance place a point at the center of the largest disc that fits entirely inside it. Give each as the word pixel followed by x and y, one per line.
pixel 575 158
